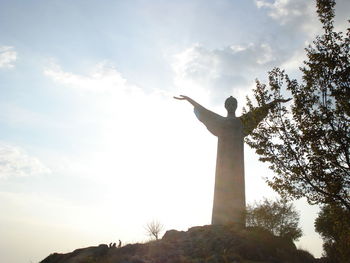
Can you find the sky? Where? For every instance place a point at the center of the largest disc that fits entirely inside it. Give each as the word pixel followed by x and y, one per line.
pixel 92 144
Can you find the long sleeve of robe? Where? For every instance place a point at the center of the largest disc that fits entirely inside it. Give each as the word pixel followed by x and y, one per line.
pixel 252 118
pixel 214 122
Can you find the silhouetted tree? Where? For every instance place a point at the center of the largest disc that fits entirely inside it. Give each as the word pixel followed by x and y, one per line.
pixel 307 145
pixel 154 228
pixel 279 217
pixel 332 225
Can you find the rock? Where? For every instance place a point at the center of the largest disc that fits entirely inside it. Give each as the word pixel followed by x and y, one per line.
pixel 173 235
pixel 101 250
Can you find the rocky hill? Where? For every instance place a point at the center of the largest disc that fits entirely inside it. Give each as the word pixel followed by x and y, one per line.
pixel 205 244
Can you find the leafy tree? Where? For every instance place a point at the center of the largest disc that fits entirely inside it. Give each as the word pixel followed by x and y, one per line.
pixel 279 217
pixel 307 144
pixel 154 228
pixel 331 223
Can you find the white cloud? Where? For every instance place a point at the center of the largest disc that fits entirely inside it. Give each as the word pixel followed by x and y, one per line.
pixel 302 14
pixel 136 145
pixel 105 93
pixel 295 16
pixel 287 10
pixel 15 162
pixel 228 70
pixel 102 78
pixel 7 57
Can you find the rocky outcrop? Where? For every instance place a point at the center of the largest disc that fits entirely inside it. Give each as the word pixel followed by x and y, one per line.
pixel 205 244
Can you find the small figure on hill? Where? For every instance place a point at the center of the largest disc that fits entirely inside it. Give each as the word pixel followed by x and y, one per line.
pixel 120 244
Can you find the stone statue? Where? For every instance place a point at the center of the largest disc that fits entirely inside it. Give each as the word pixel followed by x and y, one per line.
pixel 229 193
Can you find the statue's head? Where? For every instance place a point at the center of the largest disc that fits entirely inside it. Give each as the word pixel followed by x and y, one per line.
pixel 231 104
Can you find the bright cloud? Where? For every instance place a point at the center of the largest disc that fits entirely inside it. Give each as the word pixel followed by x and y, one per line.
pixel 7 57
pixel 103 77
pixel 15 162
pixel 229 70
pixel 301 14
pixel 138 146
pixel 286 10
pixel 295 16
pixel 107 94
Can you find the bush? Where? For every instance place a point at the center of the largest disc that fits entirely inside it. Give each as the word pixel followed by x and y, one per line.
pixel 278 217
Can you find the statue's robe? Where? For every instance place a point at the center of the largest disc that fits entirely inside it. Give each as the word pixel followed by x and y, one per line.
pixel 229 192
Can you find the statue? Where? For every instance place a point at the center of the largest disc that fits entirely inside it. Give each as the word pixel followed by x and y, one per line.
pixel 229 193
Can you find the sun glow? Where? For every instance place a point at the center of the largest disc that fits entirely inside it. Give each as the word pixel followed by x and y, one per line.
pixel 144 156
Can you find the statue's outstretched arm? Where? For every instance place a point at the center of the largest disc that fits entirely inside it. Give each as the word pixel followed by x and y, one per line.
pixel 193 102
pixel 252 119
pixel 210 119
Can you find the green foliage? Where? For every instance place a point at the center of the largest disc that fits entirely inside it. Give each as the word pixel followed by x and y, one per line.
pixel 333 226
pixel 307 144
pixel 278 217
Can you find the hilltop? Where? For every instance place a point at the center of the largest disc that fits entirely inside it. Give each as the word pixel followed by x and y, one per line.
pixel 203 244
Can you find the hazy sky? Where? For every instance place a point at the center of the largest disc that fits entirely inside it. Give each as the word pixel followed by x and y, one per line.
pixel 92 145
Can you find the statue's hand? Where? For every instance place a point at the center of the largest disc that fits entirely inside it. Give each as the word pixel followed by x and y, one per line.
pixel 282 100
pixel 275 102
pixel 181 97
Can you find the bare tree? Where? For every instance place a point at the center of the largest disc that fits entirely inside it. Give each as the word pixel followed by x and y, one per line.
pixel 154 228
